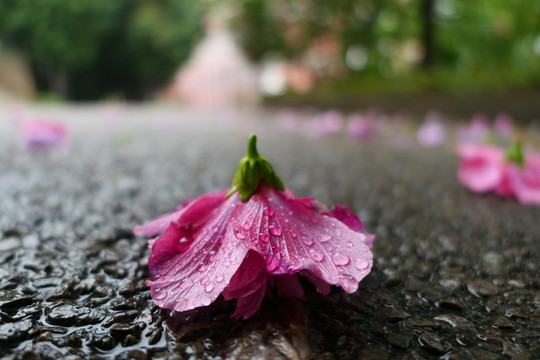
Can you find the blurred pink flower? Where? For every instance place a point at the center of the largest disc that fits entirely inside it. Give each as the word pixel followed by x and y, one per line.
pixel 475 131
pixel 327 123
pixel 42 134
pixel 487 169
pixel 432 132
pixel 361 127
pixel 243 247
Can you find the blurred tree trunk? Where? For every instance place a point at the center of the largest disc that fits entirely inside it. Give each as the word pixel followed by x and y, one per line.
pixel 427 15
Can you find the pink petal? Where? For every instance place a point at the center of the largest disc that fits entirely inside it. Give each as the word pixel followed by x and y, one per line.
pixel 158 225
pixel 196 277
pixel 292 237
pixel 248 284
pixel 481 168
pixel 525 183
pixel 197 214
pixel 431 133
pixel 43 134
pixel 248 305
pixel 346 216
pixel 250 276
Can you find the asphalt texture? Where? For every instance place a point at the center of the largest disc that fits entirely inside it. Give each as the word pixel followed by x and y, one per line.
pixel 455 276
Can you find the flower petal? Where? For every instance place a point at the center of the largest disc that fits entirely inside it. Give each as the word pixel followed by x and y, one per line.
pixel 196 277
pixel 197 214
pixel 481 168
pixel 248 284
pixel 525 183
pixel 292 237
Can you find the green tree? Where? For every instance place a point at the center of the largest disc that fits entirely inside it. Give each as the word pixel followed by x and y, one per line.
pixel 87 48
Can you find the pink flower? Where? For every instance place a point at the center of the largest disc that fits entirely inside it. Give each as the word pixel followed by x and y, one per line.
pixel 490 169
pixel 475 132
pixel 255 238
pixel 41 134
pixel 361 126
pixel 432 132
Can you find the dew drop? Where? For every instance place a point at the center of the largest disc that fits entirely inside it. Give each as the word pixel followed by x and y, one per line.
pixel 265 238
pixel 293 234
pixel 246 227
pixel 324 238
pixel 186 283
pixel 240 236
pixel 159 294
pixel 219 277
pixel 337 232
pixel 183 240
pixel 205 280
pixel 181 305
pixel 361 264
pixel 268 212
pixel 307 240
pixel 349 244
pixel 317 256
pixel 203 268
pixel 340 259
pixel 275 231
pixel 209 287
pixel 206 301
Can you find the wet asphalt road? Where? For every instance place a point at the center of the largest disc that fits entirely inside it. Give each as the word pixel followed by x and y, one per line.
pixel 455 274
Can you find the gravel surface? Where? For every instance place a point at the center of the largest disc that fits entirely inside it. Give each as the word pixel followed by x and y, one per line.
pixel 455 274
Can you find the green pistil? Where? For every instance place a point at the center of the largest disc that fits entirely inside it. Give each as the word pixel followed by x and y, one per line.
pixel 250 171
pixel 514 154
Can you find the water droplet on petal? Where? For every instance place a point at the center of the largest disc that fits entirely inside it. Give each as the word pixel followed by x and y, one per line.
pixel 340 259
pixel 337 232
pixel 265 238
pixel 219 278
pixel 159 294
pixel 246 227
pixel 268 212
pixel 240 236
pixel 361 264
pixel 205 280
pixel 275 231
pixel 307 240
pixel 187 283
pixel 209 287
pixel 315 255
pixel 349 244
pixel 362 237
pixel 181 305
pixel 206 301
pixel 324 238
pixel 183 240
pixel 293 234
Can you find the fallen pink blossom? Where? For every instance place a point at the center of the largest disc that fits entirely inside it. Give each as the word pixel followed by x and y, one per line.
pixel 475 132
pixel 41 134
pixel 361 126
pixel 488 169
pixel 255 237
pixel 432 133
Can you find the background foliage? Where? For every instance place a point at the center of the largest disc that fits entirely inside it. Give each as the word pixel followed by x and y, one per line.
pixel 87 49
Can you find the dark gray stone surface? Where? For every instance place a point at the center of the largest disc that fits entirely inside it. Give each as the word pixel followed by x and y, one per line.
pixel 455 274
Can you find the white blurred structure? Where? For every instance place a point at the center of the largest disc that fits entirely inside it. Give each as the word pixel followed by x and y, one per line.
pixel 217 74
